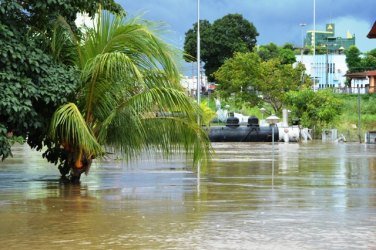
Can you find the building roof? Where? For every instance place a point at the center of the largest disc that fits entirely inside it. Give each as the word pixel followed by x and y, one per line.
pixel 359 75
pixel 372 32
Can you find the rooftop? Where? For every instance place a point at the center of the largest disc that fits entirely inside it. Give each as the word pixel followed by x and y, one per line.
pixel 372 32
pixel 361 74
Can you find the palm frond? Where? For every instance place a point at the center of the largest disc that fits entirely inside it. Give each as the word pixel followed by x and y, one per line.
pixel 129 76
pixel 69 127
pixel 63 44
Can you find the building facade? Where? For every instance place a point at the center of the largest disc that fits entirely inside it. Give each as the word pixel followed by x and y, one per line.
pixel 328 70
pixel 327 40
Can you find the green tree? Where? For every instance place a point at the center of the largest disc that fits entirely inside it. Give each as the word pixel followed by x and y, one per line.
pixel 247 75
pixel 34 80
pixel 190 44
pixel 353 59
pixel 270 51
pixel 369 61
pixel 318 109
pixel 287 56
pixel 39 15
pixel 232 33
pixel 128 76
pixel 278 79
pixel 32 83
pixel 238 75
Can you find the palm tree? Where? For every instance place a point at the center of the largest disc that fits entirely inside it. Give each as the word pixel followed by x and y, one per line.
pixel 130 98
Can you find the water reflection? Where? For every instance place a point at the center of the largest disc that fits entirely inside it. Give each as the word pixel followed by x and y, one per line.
pixel 323 198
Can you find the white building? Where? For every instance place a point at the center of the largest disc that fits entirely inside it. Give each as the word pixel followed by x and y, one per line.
pixel 328 70
pixel 190 84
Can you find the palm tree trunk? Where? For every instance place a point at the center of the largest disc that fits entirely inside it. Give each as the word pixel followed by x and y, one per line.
pixel 75 175
pixel 78 167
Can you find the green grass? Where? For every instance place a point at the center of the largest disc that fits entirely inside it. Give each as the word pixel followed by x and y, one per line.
pixel 348 122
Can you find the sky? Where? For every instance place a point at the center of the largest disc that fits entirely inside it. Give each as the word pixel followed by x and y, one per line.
pixel 277 21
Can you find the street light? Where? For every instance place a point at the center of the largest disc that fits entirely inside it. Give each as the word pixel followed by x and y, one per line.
pixel 301 55
pixel 272 120
pixel 262 110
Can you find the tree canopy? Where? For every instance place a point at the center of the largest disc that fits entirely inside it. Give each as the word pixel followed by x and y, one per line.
pixel 318 109
pixel 229 34
pixel 353 59
pixel 32 83
pixel 358 63
pixel 255 81
pixel 285 53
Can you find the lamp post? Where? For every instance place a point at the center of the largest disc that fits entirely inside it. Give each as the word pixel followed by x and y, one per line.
pixel 302 25
pixel 198 55
pixel 262 110
pixel 272 120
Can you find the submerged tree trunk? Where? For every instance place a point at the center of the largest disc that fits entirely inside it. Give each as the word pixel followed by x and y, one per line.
pixel 76 172
pixel 75 165
pixel 75 175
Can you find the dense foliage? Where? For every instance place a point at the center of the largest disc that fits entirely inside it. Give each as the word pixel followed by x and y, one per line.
pixel 33 81
pixel 285 54
pixel 255 81
pixel 314 109
pixel 358 63
pixel 229 34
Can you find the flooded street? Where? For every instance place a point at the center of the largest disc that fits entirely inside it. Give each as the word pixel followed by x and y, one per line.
pixel 321 196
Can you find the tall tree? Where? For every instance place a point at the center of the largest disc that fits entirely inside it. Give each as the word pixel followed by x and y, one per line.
pixel 353 59
pixel 190 44
pixel 232 33
pixel 128 77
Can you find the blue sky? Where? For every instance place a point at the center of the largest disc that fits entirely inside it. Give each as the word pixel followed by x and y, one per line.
pixel 276 20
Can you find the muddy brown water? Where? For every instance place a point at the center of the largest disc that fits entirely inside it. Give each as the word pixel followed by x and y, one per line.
pixel 322 196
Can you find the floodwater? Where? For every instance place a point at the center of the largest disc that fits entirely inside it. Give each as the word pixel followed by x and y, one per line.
pixel 319 196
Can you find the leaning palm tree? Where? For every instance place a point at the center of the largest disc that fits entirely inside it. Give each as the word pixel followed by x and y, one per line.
pixel 130 98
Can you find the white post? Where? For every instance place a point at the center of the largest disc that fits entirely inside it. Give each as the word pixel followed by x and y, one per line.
pixel 314 46
pixel 273 155
pixel 272 120
pixel 198 54
pixel 285 118
pixel 198 84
